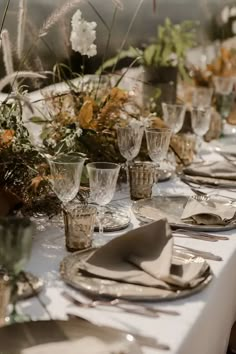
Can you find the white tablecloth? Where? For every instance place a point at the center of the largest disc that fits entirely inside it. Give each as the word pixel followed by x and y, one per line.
pixel 206 318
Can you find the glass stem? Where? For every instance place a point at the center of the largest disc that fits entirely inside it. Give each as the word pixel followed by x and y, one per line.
pixel 100 218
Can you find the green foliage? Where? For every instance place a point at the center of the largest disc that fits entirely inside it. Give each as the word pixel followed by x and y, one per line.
pixel 168 49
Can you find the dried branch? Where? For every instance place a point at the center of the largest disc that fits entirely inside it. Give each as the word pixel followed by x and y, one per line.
pixel 17 75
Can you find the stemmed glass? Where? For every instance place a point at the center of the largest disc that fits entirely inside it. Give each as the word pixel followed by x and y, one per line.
pixel 202 97
pixel 129 142
pixel 15 248
pixel 102 181
pixel 201 118
pixel 224 87
pixel 174 115
pixel 158 141
pixel 66 171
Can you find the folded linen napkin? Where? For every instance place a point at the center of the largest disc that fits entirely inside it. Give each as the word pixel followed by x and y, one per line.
pixel 208 212
pixel 219 169
pixel 144 256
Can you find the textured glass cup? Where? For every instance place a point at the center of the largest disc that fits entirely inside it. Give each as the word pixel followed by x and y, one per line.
pixel 66 173
pixel 174 115
pixel 202 97
pixel 15 248
pixel 102 181
pixel 79 226
pixel 158 141
pixel 142 176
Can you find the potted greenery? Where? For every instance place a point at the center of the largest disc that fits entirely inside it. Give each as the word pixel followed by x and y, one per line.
pixel 164 58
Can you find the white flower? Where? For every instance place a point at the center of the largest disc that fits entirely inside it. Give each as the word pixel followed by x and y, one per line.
pixel 83 35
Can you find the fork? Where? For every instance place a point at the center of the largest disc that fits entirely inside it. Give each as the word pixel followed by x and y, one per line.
pixel 197 234
pixel 135 308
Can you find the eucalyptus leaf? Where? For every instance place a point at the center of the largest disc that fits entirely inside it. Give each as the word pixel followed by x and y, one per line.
pixel 38 120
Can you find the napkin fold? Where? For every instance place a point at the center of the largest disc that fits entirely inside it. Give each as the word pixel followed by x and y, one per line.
pixel 144 256
pixel 208 212
pixel 219 169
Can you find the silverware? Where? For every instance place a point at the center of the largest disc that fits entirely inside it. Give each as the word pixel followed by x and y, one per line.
pixel 179 234
pixel 126 306
pixel 204 254
pixel 141 339
pixel 197 234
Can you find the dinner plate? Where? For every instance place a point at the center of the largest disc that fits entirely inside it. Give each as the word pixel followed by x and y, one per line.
pixel 209 181
pixel 73 336
pixel 94 286
pixel 171 208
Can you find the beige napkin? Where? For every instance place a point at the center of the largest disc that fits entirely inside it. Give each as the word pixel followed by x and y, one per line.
pixel 144 256
pixel 208 212
pixel 219 169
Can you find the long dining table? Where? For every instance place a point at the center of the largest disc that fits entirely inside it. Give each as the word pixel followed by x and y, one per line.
pixel 205 318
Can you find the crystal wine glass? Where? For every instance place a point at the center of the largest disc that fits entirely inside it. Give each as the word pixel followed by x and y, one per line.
pixel 129 142
pixel 202 97
pixel 158 141
pixel 66 171
pixel 174 115
pixel 224 98
pixel 200 118
pixel 102 181
pixel 15 248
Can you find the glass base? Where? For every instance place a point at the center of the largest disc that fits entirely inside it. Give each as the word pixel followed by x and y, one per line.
pixel 98 240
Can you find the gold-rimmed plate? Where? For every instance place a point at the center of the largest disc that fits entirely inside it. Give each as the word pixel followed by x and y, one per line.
pixel 100 287
pixel 171 207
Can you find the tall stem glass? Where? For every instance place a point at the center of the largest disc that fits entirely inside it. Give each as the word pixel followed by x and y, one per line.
pixel 129 141
pixel 158 141
pixel 66 171
pixel 102 181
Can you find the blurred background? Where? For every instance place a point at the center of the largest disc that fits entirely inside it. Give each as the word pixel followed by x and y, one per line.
pixel 215 22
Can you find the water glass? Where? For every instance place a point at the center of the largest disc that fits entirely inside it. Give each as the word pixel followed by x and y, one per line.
pixel 202 97
pixel 66 173
pixel 102 181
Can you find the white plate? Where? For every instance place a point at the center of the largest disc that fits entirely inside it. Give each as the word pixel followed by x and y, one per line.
pixel 73 336
pixel 70 272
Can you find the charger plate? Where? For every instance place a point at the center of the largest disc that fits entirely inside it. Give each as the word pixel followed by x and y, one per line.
pixel 73 336
pixel 209 181
pixel 100 287
pixel 171 208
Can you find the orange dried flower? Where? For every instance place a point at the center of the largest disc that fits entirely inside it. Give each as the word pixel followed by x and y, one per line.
pixel 6 137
